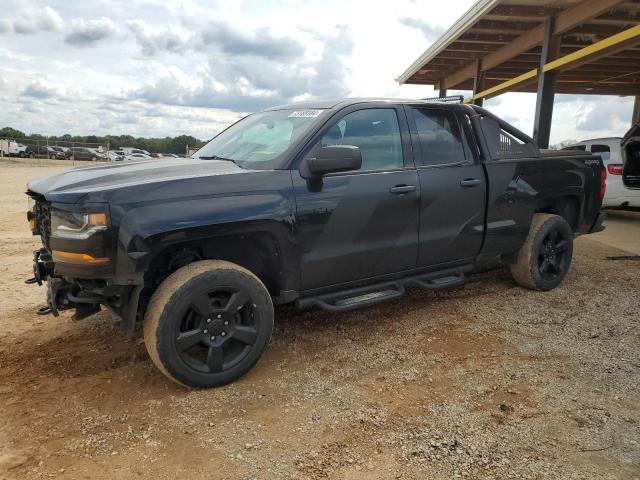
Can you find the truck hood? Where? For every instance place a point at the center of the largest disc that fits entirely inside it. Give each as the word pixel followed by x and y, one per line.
pixel 97 182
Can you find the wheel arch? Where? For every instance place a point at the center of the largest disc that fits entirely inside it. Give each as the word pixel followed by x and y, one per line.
pixel 257 251
pixel 567 206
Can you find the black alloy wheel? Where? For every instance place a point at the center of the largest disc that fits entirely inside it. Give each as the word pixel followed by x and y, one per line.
pixel 217 331
pixel 552 258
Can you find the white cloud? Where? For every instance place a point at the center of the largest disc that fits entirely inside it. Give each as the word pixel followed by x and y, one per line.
pixel 153 40
pixel 88 33
pixel 430 31
pixel 31 20
pixel 43 89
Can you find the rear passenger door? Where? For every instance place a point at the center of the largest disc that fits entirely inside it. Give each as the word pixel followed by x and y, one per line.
pixel 452 187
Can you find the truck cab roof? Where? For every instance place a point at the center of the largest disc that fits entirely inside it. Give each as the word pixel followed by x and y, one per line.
pixel 346 102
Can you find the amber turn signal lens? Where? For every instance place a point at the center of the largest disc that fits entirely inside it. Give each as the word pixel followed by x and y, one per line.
pixel 79 258
pixel 97 219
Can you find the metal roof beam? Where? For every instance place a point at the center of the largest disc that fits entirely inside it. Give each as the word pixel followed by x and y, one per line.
pixel 586 89
pixel 617 42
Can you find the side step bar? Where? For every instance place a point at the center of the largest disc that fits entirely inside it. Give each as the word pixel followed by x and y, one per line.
pixel 353 298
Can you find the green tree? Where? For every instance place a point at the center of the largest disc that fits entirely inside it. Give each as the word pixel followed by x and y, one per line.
pixel 11 133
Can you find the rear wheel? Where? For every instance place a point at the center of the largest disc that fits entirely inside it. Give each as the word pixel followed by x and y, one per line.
pixel 208 323
pixel 545 258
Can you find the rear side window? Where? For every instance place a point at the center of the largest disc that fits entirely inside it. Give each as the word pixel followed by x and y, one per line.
pixel 439 136
pixel 576 147
pixel 502 144
pixel 603 150
pixel 375 132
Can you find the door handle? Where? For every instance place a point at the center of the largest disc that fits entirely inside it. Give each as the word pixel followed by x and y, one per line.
pixel 400 189
pixel 470 182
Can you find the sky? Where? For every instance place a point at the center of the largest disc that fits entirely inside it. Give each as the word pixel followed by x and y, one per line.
pixel 161 67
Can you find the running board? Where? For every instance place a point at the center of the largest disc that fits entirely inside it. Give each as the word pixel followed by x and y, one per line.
pixel 441 282
pixel 353 298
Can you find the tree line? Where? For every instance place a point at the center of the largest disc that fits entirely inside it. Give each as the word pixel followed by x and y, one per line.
pixel 155 145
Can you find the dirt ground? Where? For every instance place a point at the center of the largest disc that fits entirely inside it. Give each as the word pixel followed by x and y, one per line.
pixel 484 381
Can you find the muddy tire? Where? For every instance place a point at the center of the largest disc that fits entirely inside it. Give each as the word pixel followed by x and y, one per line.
pixel 545 258
pixel 208 323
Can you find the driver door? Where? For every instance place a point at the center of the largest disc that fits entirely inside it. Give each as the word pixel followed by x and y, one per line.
pixel 360 224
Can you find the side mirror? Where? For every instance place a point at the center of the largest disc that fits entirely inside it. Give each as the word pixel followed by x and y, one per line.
pixel 337 158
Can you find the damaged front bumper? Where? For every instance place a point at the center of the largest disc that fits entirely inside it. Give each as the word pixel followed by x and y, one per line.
pixel 85 296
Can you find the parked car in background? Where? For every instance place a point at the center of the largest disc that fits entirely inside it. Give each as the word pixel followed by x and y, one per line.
pixel 11 148
pixel 116 155
pixel 131 150
pixel 84 153
pixel 63 152
pixel 138 156
pixel 631 155
pixel 614 151
pixel 44 151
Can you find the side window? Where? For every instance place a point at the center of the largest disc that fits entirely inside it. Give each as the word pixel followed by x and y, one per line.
pixel 603 150
pixel 575 147
pixel 502 144
pixel 375 132
pixel 439 135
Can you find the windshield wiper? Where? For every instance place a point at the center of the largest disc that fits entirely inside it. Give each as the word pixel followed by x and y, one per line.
pixel 216 157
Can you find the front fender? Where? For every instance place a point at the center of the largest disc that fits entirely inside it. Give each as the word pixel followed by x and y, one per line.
pixel 145 230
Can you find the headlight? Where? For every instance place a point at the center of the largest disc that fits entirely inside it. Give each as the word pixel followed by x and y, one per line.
pixel 31 214
pixel 72 226
pixel 80 226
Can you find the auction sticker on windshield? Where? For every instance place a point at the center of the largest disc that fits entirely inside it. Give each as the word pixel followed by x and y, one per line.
pixel 305 113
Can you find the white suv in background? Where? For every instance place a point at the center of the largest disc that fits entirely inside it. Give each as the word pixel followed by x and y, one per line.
pixel 617 195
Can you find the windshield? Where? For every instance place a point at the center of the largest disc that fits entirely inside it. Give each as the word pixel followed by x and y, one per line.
pixel 259 140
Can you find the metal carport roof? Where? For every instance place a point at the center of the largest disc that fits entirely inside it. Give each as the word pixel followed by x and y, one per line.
pixel 498 45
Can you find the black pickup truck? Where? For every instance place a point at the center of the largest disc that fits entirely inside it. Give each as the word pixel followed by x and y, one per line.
pixel 335 205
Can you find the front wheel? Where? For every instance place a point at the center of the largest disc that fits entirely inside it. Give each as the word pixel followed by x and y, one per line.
pixel 208 323
pixel 545 258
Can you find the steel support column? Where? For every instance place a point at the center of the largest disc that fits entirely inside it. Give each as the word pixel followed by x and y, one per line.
pixel 478 82
pixel 635 118
pixel 546 86
pixel 443 89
